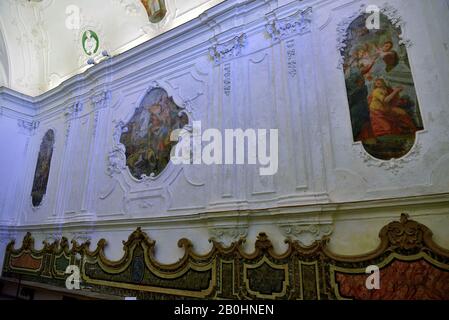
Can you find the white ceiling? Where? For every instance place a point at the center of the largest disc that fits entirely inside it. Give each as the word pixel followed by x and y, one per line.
pixel 40 41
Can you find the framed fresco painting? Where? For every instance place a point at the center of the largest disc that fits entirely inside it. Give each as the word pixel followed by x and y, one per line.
pixel 384 108
pixel 42 172
pixel 147 135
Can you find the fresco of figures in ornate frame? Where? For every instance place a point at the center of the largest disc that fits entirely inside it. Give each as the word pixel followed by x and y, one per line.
pixel 147 135
pixel 42 168
pixel 384 109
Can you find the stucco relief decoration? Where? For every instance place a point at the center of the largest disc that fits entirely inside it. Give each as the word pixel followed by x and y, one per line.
pixel 143 144
pixel 306 234
pixel 229 49
pixel 384 108
pixel 28 127
pixel 43 168
pixel 299 23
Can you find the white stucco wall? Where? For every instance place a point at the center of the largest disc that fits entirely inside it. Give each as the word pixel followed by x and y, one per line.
pixel 323 178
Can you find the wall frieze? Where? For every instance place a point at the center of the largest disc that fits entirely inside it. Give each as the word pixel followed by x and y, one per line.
pixel 228 50
pixel 298 23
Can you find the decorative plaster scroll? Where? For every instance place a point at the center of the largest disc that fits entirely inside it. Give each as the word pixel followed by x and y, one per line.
pixel 81 236
pixel 117 157
pixel 298 23
pixel 100 100
pixel 228 235
pixel 229 50
pixel 393 165
pixel 74 110
pixel 388 10
pixel 28 127
pixel 306 234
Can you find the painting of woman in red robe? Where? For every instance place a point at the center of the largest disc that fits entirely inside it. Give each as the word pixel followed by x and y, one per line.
pixel 384 108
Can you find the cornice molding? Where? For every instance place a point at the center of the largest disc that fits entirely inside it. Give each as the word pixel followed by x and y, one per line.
pixel 308 214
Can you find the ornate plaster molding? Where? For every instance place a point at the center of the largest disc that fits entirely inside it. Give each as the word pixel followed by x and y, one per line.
pixel 298 23
pixel 394 165
pixel 227 235
pixel 28 127
pixel 74 110
pixel 388 10
pixel 101 100
pixel 306 234
pixel 117 156
pixel 230 49
pixel 81 236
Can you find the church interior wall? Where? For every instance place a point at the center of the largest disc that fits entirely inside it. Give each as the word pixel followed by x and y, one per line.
pixel 326 185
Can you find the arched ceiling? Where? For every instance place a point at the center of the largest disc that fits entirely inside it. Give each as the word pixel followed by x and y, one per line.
pixel 41 40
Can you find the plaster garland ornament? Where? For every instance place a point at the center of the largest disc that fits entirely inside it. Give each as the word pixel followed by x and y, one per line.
pixel 394 165
pixel 306 234
pixel 229 49
pixel 28 127
pixel 100 100
pixel 298 23
pixel 74 110
pixel 388 10
pixel 228 234
pixel 81 236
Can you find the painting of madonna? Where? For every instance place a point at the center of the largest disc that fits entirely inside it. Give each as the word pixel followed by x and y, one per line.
pixel 384 108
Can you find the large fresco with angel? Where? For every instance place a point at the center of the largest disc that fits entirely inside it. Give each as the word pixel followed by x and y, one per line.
pixel 384 108
pixel 146 136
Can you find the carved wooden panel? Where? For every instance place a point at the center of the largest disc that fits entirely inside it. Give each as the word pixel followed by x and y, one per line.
pixel 411 265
